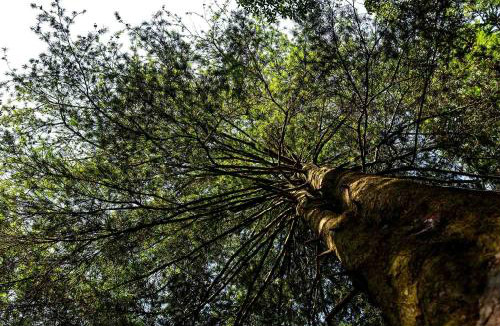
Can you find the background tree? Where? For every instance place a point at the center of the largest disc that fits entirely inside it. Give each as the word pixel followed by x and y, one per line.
pixel 167 184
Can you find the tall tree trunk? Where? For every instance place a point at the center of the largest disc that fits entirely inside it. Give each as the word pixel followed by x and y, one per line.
pixel 426 255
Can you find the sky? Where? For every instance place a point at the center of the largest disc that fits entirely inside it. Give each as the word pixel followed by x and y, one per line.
pixel 17 16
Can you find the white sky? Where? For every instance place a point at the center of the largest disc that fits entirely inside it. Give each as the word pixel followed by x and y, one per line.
pixel 16 18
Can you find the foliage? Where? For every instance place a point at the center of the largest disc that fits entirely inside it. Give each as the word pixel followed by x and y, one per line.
pixel 154 185
pixel 271 9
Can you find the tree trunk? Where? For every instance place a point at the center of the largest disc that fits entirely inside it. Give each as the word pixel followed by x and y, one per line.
pixel 426 255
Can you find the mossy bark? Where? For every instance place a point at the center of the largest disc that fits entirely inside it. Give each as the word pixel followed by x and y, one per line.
pixel 426 255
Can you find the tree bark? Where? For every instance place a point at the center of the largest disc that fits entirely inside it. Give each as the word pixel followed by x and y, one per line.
pixel 426 255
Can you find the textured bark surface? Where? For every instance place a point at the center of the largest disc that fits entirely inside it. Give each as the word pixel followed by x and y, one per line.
pixel 426 255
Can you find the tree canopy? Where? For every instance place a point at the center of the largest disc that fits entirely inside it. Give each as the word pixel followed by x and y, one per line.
pixel 153 184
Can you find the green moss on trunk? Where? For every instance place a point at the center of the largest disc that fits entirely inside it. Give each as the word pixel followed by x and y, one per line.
pixel 428 255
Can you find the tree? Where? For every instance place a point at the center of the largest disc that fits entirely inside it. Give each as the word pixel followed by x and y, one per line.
pixel 246 176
